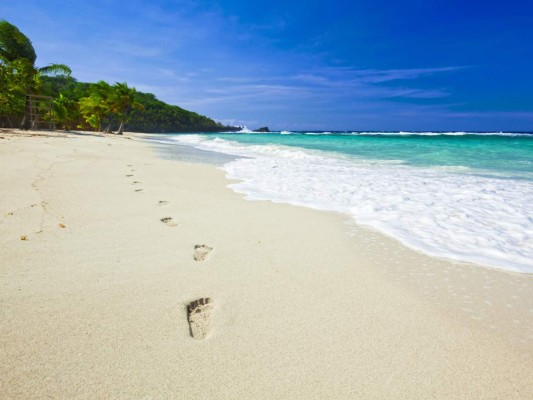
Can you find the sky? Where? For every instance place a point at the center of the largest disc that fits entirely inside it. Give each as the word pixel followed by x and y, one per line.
pixel 422 65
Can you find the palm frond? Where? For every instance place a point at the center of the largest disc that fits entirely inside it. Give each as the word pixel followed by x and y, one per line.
pixel 55 69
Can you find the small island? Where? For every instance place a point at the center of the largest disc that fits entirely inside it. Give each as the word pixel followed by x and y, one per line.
pixel 263 129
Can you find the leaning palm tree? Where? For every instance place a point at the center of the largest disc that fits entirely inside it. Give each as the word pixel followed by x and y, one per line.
pixel 15 46
pixel 124 102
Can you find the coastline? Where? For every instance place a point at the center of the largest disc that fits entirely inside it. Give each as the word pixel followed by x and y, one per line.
pixel 305 305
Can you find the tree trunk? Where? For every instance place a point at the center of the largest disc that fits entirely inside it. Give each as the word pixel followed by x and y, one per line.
pixel 121 128
pixel 27 111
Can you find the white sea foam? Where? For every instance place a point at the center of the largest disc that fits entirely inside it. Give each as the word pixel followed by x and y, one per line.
pixel 244 129
pixel 457 216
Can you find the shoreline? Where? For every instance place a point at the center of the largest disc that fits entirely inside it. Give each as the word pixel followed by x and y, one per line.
pixel 306 305
pixel 430 207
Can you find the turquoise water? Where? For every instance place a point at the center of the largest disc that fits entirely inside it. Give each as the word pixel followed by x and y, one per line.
pixel 498 155
pixel 460 196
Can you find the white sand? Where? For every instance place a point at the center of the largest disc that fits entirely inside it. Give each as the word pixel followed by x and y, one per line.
pixel 303 305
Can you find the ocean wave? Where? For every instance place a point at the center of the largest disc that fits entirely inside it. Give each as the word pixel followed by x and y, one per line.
pixel 458 216
pixel 245 129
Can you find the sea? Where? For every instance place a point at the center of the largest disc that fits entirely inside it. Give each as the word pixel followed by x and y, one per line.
pixel 465 196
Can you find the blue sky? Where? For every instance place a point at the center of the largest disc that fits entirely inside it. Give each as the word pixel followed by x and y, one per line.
pixel 362 65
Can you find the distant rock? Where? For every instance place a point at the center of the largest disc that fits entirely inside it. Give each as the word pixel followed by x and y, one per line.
pixel 263 129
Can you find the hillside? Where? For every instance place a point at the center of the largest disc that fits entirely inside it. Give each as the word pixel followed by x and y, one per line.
pixel 157 115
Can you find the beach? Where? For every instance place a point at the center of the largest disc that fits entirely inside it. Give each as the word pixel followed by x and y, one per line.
pixel 105 245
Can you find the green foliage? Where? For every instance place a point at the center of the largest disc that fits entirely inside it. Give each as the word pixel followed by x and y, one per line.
pixel 66 85
pixel 66 92
pixel 12 89
pixel 161 117
pixel 67 112
pixel 14 44
pixel 17 51
pixel 147 114
pixel 17 57
pixel 123 102
pixel 95 107
pixel 55 69
pixel 84 105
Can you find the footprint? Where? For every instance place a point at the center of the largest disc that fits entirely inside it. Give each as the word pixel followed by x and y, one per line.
pixel 129 165
pixel 168 221
pixel 138 190
pixel 136 182
pixel 201 251
pixel 129 175
pixel 163 203
pixel 199 317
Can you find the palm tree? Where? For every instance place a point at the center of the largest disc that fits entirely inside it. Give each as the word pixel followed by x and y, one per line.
pixel 124 102
pixel 98 105
pixel 15 46
pixel 66 111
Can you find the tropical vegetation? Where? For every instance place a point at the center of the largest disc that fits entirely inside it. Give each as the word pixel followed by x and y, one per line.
pixel 17 57
pixel 96 106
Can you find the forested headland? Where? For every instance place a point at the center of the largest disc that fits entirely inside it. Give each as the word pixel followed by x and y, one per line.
pixel 74 105
pixel 96 106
